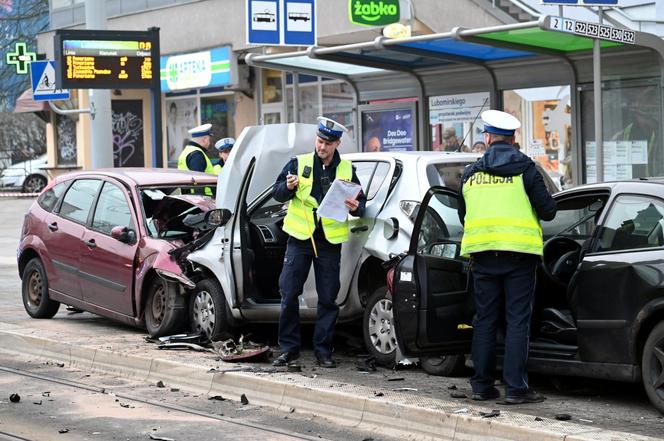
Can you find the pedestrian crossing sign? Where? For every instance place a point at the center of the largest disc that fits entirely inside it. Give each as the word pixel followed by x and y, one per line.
pixel 42 76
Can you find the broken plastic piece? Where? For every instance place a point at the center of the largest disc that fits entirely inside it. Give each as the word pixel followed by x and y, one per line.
pixel 493 413
pixel 14 398
pixel 563 416
pixel 159 438
pixel 160 384
pixel 458 395
pixel 216 397
pixel 63 430
pixel 182 338
pixel 183 345
pixel 395 379
pixel 244 400
pixel 232 351
pixel 462 410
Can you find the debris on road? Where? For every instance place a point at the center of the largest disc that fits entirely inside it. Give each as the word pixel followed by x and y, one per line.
pixel 242 350
pixel 563 416
pixel 462 410
pixel 396 379
pixel 452 387
pixel 73 310
pixel 159 438
pixel 160 384
pixel 368 365
pixel 46 394
pixel 38 403
pixel 244 400
pixel 63 431
pixel 538 419
pixel 493 413
pixel 217 398
pixel 378 394
pixel 183 345
pixel 183 338
pixel 405 389
pixel 458 395
pixel 14 398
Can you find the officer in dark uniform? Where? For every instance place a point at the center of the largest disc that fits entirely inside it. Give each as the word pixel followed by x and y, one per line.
pixel 304 182
pixel 194 155
pixel 504 197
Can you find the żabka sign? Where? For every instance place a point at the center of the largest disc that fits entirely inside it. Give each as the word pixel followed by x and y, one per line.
pixel 373 12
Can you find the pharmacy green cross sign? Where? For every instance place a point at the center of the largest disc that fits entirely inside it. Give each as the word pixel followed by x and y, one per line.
pixel 21 58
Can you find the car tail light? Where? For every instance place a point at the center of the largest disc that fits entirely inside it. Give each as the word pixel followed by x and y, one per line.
pixel 409 208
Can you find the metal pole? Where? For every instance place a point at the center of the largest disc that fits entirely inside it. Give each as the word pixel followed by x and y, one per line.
pixel 155 95
pixel 560 11
pixel 296 97
pixel 597 96
pixel 100 100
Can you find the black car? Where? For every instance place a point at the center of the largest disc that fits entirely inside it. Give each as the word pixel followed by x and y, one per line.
pixel 599 304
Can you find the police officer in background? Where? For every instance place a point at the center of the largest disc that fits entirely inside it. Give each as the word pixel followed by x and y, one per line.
pixel 223 147
pixel 504 197
pixel 304 182
pixel 194 155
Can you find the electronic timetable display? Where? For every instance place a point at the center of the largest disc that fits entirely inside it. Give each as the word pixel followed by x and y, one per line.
pixel 88 59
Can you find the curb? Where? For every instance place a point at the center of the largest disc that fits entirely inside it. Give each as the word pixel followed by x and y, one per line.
pixel 281 392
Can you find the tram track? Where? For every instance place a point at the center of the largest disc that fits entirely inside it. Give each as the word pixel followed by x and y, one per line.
pixel 160 405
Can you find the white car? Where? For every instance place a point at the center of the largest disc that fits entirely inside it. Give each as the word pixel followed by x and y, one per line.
pixel 236 271
pixel 26 175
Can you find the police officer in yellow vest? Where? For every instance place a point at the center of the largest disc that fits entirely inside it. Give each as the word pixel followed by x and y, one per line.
pixel 304 182
pixel 194 156
pixel 224 147
pixel 504 197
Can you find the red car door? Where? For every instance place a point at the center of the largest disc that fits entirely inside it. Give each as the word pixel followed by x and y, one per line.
pixel 63 233
pixel 107 263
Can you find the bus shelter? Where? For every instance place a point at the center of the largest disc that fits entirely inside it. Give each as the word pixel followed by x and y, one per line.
pixel 443 81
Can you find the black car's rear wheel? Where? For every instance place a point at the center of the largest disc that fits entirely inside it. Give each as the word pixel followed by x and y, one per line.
pixel 208 311
pixel 36 301
pixel 652 366
pixel 165 309
pixel 444 365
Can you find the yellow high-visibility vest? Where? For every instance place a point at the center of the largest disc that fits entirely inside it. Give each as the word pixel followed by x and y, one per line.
pixel 209 168
pixel 499 216
pixel 182 159
pixel 300 220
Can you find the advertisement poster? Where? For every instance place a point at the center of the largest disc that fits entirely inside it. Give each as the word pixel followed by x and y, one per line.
pixel 389 130
pixel 455 122
pixel 182 115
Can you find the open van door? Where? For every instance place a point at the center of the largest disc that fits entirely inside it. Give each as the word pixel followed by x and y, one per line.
pixel 433 307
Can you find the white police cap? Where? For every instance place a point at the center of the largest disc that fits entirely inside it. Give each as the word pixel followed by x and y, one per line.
pixel 329 129
pixel 203 130
pixel 224 144
pixel 500 123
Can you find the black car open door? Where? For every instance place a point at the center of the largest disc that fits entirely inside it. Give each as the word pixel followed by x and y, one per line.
pixel 433 308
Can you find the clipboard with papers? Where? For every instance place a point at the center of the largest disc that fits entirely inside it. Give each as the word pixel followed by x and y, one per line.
pixel 333 205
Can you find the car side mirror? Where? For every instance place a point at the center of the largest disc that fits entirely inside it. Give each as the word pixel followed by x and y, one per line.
pixel 123 234
pixel 218 217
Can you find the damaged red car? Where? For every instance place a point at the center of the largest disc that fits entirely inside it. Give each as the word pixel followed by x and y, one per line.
pixel 100 241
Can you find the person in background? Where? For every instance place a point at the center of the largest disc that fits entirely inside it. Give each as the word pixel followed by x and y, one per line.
pixel 194 155
pixel 373 145
pixel 224 147
pixel 479 147
pixel 450 141
pixel 503 198
pixel 303 182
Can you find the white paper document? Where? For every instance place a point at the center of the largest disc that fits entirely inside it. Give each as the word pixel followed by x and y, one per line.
pixel 333 205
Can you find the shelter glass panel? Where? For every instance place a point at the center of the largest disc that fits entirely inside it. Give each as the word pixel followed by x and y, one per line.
pixel 546 127
pixel 182 116
pixel 632 145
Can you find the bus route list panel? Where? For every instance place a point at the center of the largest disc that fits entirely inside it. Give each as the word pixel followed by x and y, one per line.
pixel 107 64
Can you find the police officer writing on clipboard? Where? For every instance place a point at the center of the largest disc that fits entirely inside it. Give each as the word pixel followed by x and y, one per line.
pixel 504 197
pixel 304 182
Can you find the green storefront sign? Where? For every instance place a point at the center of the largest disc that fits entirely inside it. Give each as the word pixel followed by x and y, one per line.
pixel 373 12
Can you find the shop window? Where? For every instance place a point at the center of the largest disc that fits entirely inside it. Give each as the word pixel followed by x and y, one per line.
pixel 218 112
pixel 632 145
pixel 182 115
pixel 546 127
pixel 272 86
pixel 338 103
pixel 65 128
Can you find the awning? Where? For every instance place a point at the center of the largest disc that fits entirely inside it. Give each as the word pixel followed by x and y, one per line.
pixel 25 104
